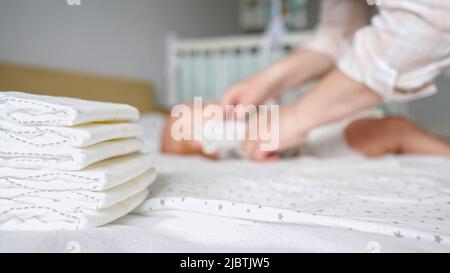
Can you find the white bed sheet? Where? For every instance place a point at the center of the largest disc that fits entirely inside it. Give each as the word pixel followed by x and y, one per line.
pixel 175 229
pixel 178 230
pixel 400 196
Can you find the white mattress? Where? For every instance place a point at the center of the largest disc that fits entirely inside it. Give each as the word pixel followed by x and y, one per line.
pixel 394 184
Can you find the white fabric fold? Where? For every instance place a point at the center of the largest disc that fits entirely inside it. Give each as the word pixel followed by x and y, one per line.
pixel 67 159
pixel 78 199
pixel 27 109
pixel 41 217
pixel 97 177
pixel 76 136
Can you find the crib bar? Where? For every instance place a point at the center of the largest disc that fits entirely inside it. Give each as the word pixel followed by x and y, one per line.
pixel 206 67
pixel 241 42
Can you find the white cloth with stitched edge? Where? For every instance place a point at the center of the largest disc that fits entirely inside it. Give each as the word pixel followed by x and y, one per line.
pixel 97 177
pixel 42 217
pixel 75 136
pixel 67 163
pixel 79 198
pixel 27 109
pixel 65 159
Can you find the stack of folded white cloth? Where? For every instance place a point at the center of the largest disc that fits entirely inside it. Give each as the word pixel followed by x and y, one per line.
pixel 67 163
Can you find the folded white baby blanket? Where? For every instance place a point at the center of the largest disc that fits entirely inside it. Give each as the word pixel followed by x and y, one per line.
pixel 65 159
pixel 24 216
pixel 67 163
pixel 97 177
pixel 76 136
pixel 27 109
pixel 79 199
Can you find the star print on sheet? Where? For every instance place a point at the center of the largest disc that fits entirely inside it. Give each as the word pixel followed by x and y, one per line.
pixel 280 216
pixel 404 197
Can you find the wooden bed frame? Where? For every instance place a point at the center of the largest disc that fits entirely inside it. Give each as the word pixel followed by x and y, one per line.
pixel 73 84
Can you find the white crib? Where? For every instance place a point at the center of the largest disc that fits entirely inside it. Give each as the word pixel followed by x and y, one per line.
pixel 206 67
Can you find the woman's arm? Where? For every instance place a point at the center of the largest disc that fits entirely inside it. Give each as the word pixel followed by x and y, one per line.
pixel 339 20
pixel 335 97
pixel 302 66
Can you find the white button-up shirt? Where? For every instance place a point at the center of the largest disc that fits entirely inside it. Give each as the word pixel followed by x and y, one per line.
pixel 397 53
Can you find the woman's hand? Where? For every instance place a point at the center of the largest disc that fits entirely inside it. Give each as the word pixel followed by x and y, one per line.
pixel 286 74
pixel 254 90
pixel 286 130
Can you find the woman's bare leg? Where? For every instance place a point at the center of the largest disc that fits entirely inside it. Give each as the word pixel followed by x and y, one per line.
pixel 376 137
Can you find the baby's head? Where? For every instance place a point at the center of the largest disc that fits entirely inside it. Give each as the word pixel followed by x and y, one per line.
pixel 187 147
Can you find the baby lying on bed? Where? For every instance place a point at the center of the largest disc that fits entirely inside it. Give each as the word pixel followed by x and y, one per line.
pixel 368 134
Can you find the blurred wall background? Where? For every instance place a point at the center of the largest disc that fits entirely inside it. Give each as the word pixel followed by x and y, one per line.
pixel 433 112
pixel 126 38
pixel 123 38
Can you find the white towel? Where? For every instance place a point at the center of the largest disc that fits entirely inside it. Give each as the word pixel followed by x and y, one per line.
pixel 77 136
pixel 67 159
pixel 41 217
pixel 97 177
pixel 27 109
pixel 78 199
